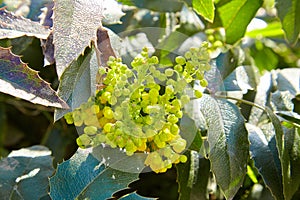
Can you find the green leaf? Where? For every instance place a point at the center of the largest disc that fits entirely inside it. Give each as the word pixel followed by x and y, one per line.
pixel 78 82
pixel 205 8
pixel 288 13
pixel 265 155
pixel 155 5
pixel 227 62
pixel 117 159
pixel 284 147
pixel 174 40
pixel 292 157
pixel 187 174
pixel 24 173
pixel 73 175
pixel 265 58
pixel 190 133
pixel 283 154
pixel 290 116
pixel 135 196
pixel 236 15
pixel 228 143
pixel 74 27
pixel 83 176
pixel 18 80
pixel 200 190
pixel 273 29
pixel 13 26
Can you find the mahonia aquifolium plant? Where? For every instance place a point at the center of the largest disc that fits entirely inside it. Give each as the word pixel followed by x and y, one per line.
pixel 139 108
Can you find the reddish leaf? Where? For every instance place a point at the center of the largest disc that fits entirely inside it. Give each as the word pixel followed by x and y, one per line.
pixel 18 80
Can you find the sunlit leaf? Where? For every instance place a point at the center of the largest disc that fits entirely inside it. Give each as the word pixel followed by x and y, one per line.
pixel 228 143
pixel 288 12
pixel 112 12
pixel 241 79
pixel 272 30
pixel 263 91
pixel 22 170
pixel 205 8
pixel 281 101
pixel 75 25
pixel 12 26
pixel 18 80
pixel 83 176
pixel 288 80
pixel 284 79
pixel 236 15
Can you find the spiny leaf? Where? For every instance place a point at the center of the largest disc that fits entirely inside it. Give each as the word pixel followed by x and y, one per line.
pixel 83 176
pixel 236 15
pixel 75 25
pixel 205 8
pixel 12 26
pixel 228 143
pixel 73 175
pixel 22 170
pixel 18 80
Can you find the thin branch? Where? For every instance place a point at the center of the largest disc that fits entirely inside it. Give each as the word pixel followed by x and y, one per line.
pixel 242 101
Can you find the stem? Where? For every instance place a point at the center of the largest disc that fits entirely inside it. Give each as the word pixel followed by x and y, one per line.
pixel 242 101
pixel 252 104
